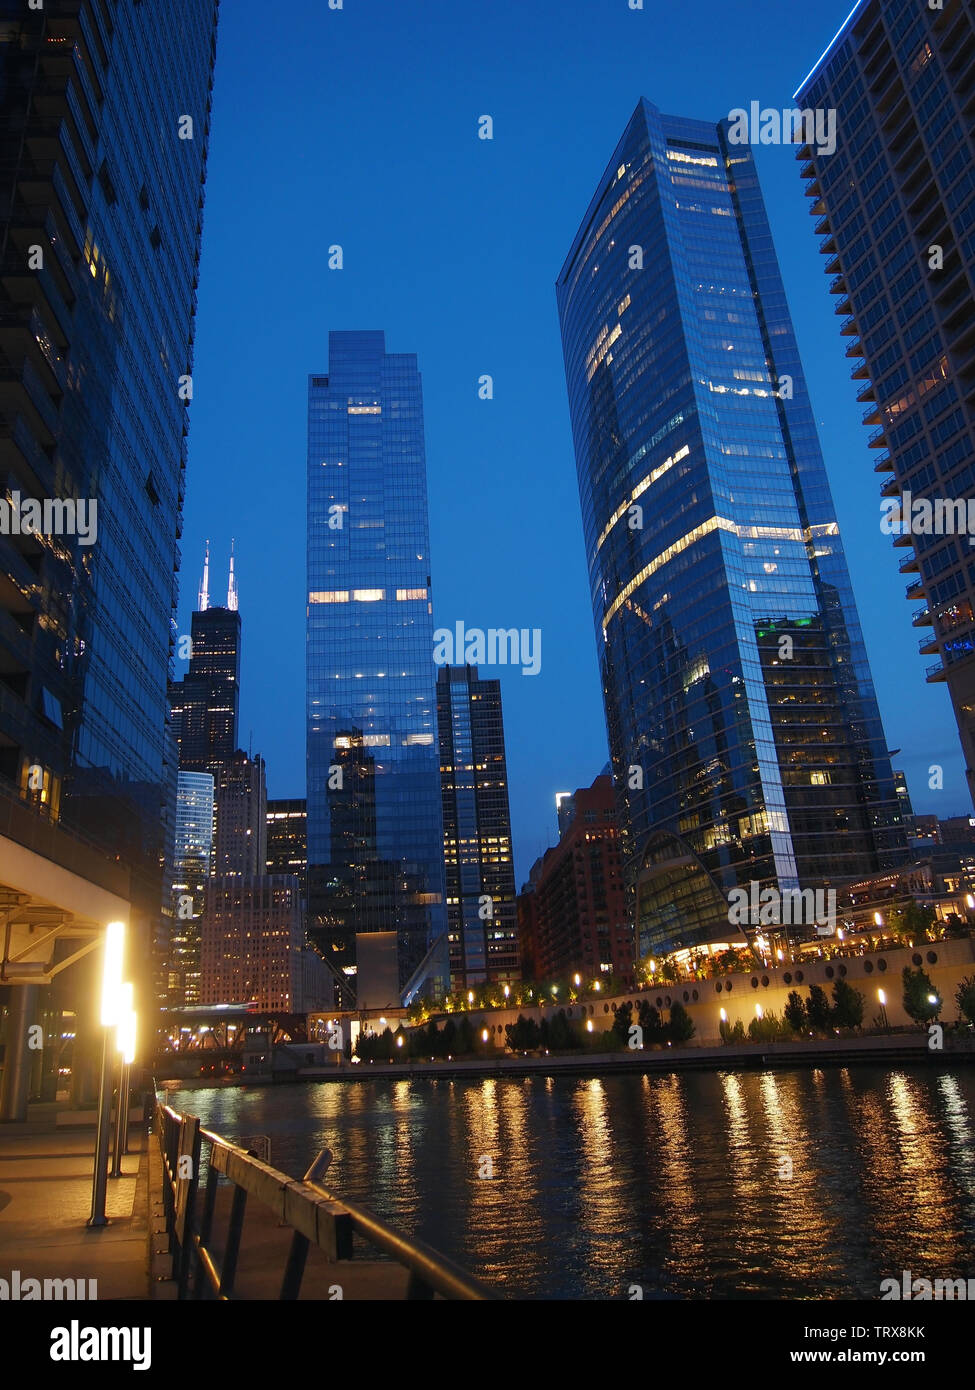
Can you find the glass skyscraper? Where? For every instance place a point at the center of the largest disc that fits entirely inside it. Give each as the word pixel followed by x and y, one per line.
pixel 744 731
pixel 104 126
pixel 480 871
pixel 193 862
pixel 895 208
pixel 375 829
pixel 206 702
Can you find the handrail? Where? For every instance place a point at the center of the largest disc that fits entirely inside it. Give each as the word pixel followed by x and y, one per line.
pixel 315 1215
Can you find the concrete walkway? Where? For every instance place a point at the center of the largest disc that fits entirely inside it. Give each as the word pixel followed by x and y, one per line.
pixel 45 1200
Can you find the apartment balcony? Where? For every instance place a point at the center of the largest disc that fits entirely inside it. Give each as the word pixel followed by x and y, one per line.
pixel 838 285
pixel 878 440
pixel 935 672
pixel 866 393
pixel 883 464
pixel 922 618
pixel 844 305
pixel 872 416
pixel 855 350
pixel 827 245
pixel 848 328
pixel 822 227
pixel 859 372
pixel 928 645
pixel 914 592
pixel 890 487
pixel 833 264
pixel 909 564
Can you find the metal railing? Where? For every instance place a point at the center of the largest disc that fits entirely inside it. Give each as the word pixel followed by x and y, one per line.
pixel 316 1217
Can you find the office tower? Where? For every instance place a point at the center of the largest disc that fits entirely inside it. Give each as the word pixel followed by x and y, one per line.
pixel 287 837
pixel 206 701
pixel 254 946
pixel 572 914
pixel 895 206
pixel 745 737
pixel 375 831
pixel 240 842
pixel 100 220
pixel 192 863
pixel 480 874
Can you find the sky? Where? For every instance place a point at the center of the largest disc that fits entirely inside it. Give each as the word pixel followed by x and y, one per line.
pixel 359 127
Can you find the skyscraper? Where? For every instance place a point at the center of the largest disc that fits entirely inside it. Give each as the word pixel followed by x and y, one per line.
pixel 101 197
pixel 240 793
pixel 206 701
pixel 745 737
pixel 480 874
pixel 192 866
pixel 895 206
pixel 375 831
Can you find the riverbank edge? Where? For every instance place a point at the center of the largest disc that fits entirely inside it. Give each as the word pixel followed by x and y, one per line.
pixel 755 1056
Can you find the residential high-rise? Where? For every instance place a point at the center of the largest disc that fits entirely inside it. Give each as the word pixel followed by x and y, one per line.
pixel 240 845
pixel 100 219
pixel 480 874
pixel 206 701
pixel 192 865
pixel 895 206
pixel 745 737
pixel 253 948
pixel 287 837
pixel 572 913
pixel 375 830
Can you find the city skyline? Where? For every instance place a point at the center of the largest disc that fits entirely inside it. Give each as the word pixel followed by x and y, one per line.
pixel 481 454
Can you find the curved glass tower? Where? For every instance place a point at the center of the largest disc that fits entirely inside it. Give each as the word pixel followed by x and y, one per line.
pixel 744 730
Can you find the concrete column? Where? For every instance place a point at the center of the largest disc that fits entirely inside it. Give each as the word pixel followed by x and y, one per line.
pixel 17 1057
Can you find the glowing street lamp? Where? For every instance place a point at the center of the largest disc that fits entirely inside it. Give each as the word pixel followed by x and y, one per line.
pixel 113 952
pixel 882 997
pixel 125 1030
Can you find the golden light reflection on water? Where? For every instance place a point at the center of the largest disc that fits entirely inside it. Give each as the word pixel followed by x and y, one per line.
pixel 672 1182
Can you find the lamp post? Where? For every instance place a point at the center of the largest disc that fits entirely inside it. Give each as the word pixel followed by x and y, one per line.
pixel 125 1046
pixel 883 1009
pixel 113 952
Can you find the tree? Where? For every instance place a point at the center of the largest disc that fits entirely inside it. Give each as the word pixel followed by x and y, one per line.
pixel 817 1009
pixel 921 1001
pixel 563 1035
pixel 965 998
pixel 650 1021
pixel 465 1035
pixel 623 1021
pixel 765 1029
pixel 847 1005
pixel 912 921
pixel 681 1026
pixel 795 1012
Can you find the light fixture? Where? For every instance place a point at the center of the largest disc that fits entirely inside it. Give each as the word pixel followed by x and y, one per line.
pixel 112 973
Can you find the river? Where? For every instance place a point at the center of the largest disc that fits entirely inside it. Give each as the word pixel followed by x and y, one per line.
pixel 777 1184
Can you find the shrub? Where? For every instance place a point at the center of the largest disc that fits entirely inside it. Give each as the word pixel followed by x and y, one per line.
pixel 918 993
pixel 848 1003
pixel 681 1026
pixel 817 1009
pixel 795 1012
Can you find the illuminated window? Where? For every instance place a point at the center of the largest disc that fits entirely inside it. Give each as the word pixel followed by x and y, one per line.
pixel 329 596
pixel 402 595
pixel 368 595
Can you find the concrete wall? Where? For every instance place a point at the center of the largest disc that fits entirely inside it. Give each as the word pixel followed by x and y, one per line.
pixel 737 994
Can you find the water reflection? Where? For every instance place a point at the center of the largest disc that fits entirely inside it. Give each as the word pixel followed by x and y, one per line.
pixel 703 1185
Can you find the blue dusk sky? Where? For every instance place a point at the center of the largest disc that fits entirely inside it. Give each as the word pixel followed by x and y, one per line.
pixel 358 126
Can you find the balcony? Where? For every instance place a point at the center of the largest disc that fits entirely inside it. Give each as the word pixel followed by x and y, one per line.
pixel 928 645
pixel 883 464
pixel 866 393
pixel 827 245
pixel 838 285
pixel 871 416
pixel 878 440
pixel 909 564
pixel 855 350
pixel 890 487
pixel 848 328
pixel 935 672
pixel 914 592
pixel 922 618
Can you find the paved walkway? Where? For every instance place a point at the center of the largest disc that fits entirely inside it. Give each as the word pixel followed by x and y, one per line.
pixel 45 1200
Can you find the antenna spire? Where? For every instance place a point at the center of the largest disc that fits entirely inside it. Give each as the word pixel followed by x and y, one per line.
pixel 232 585
pixel 205 586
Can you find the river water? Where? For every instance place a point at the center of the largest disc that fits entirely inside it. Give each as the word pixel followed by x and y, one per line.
pixel 775 1184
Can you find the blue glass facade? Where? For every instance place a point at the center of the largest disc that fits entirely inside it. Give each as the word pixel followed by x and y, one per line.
pixel 744 731
pixel 375 829
pixel 895 209
pixel 100 216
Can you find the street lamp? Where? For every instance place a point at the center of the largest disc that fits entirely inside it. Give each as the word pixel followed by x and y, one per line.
pixel 125 1046
pixel 109 1014
pixel 883 1009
